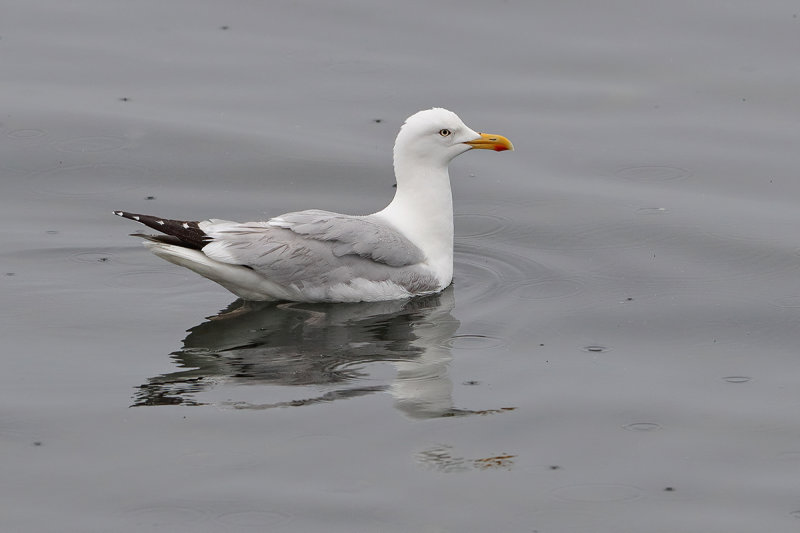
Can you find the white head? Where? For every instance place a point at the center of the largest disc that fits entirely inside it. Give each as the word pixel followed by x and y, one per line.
pixel 435 136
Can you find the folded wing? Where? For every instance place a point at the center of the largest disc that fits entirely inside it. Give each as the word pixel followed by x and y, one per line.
pixel 313 247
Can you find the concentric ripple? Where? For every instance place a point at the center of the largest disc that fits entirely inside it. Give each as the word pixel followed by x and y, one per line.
pixel 474 342
pixel 27 134
pixel 481 272
pixel 653 173
pixel 479 225
pixel 548 289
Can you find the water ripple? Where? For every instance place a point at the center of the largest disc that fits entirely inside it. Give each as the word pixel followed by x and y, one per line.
pixel 598 493
pixel 88 180
pixel 481 272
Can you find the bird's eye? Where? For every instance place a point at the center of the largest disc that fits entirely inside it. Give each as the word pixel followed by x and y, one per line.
pixel 444 132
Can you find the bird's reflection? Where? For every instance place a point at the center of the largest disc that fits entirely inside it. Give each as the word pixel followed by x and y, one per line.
pixel 326 346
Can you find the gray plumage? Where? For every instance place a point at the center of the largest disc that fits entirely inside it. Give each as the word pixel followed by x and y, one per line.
pixel 314 248
pixel 404 250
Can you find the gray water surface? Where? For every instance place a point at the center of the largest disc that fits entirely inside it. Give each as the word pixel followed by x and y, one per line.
pixel 619 350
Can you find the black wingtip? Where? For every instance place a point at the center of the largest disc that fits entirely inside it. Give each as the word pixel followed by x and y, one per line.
pixel 129 216
pixel 180 232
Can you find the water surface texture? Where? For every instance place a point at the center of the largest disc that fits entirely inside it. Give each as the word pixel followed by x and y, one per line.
pixel 618 353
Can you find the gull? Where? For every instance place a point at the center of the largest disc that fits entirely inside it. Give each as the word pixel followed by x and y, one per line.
pixel 401 251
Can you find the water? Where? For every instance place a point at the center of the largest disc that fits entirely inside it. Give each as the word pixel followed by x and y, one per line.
pixel 618 351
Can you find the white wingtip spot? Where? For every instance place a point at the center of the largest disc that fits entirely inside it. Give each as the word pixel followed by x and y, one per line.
pixel 135 217
pixel 118 213
pixel 185 225
pixel 160 222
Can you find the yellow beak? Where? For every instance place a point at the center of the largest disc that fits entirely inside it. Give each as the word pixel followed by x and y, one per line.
pixel 488 141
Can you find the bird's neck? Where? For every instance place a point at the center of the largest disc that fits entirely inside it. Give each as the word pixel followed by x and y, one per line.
pixel 422 209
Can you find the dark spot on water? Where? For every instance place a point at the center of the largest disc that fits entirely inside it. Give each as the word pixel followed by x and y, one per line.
pixel 377 120
pixel 394 185
pixel 149 197
pixel 11 273
pixel 669 489
pixel 642 426
pixel 629 299
pixel 124 99
pixel 37 443
pixel 472 382
pixel 594 348
pixel 224 27
pixel 103 259
pixel 744 99
pixel 542 344
pixel 737 379
pixel 555 467
pixel 52 232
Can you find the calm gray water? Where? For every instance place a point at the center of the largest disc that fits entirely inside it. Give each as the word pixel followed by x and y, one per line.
pixel 619 351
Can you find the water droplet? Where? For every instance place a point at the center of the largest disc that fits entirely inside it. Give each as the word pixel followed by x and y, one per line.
pixel 642 426
pixel 595 348
pixel 737 379
pixel 92 257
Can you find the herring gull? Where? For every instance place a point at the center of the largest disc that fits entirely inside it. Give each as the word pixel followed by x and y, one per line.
pixel 404 250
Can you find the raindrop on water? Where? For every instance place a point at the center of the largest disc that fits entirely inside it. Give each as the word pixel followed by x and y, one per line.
pixel 594 348
pixel 737 379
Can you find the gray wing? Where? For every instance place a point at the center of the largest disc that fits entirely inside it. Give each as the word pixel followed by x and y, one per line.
pixel 316 247
pixel 351 235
